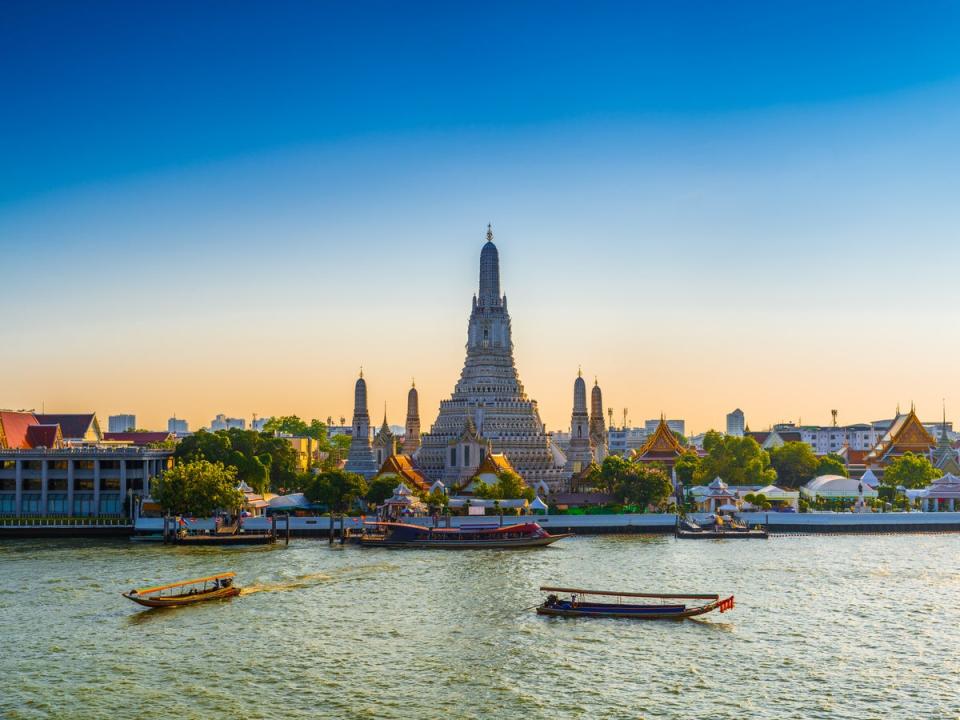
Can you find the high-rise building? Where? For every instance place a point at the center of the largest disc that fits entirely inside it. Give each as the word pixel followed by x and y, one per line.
pixel 579 452
pixel 735 423
pixel 411 433
pixel 121 423
pixel 177 426
pixel 361 460
pixel 488 408
pixel 222 422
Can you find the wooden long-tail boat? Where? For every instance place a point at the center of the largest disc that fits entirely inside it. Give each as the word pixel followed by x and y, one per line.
pixel 186 592
pixel 668 607
pixel 405 535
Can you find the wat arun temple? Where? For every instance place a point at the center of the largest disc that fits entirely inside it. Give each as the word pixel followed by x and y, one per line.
pixel 488 411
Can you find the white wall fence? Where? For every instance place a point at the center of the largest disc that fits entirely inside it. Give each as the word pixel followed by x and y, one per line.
pixel 649 522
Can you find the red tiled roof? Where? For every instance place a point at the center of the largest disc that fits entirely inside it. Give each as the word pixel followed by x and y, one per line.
pixel 72 425
pixel 137 438
pixel 44 436
pixel 13 428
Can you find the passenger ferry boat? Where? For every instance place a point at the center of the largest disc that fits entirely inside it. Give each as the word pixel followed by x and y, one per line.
pixel 405 535
pixel 186 592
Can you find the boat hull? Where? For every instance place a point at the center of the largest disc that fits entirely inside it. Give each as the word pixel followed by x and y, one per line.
pixel 633 613
pixel 179 601
pixel 239 539
pixel 723 535
pixel 497 544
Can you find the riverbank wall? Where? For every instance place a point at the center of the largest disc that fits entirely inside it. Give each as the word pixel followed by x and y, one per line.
pixel 648 524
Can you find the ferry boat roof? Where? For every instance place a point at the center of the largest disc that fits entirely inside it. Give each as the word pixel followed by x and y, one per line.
pixel 195 581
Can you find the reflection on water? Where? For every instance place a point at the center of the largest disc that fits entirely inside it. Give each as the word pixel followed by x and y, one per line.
pixel 824 627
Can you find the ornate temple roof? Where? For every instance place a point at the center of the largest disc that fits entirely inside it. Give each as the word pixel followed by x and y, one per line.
pixel 661 444
pixel 404 466
pixel 906 434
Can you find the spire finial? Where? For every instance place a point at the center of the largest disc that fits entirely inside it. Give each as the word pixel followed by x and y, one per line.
pixel 912 407
pixel 489 233
pixel 595 381
pixel 413 382
pixel 361 372
pixel 579 371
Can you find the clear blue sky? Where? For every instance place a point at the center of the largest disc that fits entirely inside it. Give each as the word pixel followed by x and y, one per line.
pixel 268 162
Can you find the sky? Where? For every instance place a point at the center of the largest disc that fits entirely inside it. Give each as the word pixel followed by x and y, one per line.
pixel 210 207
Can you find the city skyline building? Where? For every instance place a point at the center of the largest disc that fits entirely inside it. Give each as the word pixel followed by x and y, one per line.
pixel 121 423
pixel 178 426
pixel 736 423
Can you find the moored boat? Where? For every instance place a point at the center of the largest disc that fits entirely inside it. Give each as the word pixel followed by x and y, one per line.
pixel 406 535
pixel 580 603
pixel 186 592
pixel 731 530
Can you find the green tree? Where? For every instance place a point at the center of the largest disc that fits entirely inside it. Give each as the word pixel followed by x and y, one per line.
pixel 197 487
pixel 612 472
pixel 261 461
pixel 645 485
pixel 337 489
pixel 910 471
pixel 437 501
pixel 832 464
pixel 285 424
pixel 686 467
pixel 795 464
pixel 738 460
pixel 381 488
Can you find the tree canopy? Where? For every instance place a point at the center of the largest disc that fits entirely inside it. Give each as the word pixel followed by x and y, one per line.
pixel 794 463
pixel 197 487
pixel 686 467
pixel 262 461
pixel 381 488
pixel 632 483
pixel 293 425
pixel 738 460
pixel 832 464
pixel 910 471
pixel 337 489
pixel 508 486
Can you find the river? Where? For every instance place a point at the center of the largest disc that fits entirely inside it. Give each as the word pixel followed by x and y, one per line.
pixel 824 627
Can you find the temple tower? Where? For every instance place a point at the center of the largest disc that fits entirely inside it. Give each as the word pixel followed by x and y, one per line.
pixel 579 453
pixel 384 442
pixel 361 460
pixel 411 437
pixel 598 429
pixel 488 405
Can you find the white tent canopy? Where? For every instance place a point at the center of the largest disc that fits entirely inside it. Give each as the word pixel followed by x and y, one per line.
pixel 837 486
pixel 538 504
pixel 296 500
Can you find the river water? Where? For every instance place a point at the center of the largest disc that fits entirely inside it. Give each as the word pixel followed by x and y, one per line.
pixel 824 627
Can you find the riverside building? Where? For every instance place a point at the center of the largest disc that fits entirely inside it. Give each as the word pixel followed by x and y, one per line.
pixel 44 474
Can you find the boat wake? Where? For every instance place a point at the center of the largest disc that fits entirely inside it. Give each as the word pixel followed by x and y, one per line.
pixel 301 582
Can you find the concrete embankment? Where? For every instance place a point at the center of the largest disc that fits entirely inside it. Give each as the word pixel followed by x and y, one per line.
pixel 819 523
pixel 824 523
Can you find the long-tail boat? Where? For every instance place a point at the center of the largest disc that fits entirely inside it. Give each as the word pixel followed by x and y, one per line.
pixel 581 604
pixel 186 592
pixel 406 535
